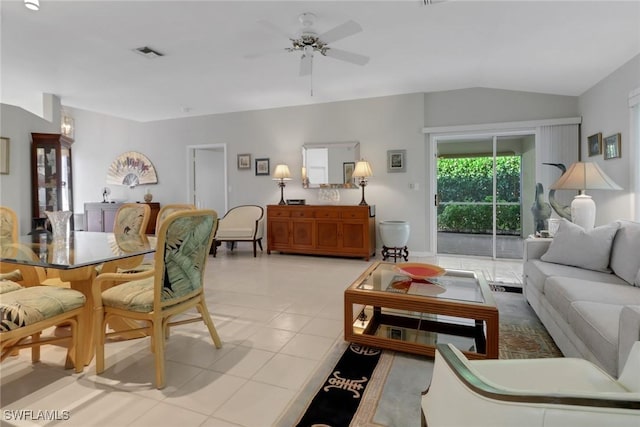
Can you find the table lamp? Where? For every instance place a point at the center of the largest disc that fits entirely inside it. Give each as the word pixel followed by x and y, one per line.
pixel 282 174
pixel 363 171
pixel 584 176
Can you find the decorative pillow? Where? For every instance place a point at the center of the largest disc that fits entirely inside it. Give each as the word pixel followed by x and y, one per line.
pixel 574 246
pixel 625 261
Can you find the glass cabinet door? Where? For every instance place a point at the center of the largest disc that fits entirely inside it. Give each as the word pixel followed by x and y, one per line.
pixel 52 178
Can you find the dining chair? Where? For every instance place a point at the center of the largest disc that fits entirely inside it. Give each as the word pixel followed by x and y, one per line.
pixel 131 218
pixel 25 312
pixel 165 211
pixel 8 225
pixel 10 246
pixel 174 286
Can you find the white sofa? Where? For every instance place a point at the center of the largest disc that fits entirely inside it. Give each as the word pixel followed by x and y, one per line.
pixel 585 288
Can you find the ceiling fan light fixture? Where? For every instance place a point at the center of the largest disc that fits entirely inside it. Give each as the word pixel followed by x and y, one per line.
pixel 32 4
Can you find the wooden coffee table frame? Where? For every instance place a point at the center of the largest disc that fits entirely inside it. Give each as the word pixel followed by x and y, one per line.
pixel 482 313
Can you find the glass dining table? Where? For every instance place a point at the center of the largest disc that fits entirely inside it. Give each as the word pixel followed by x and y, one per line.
pixel 75 257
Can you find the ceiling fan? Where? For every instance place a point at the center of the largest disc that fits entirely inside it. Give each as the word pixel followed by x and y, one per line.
pixel 309 42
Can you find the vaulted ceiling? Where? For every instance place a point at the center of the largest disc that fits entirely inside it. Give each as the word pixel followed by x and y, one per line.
pixel 83 51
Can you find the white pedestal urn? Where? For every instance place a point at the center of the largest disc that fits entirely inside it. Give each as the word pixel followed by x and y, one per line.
pixel 394 235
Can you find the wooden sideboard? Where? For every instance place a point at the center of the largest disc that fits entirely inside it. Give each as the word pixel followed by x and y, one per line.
pixel 101 216
pixel 321 230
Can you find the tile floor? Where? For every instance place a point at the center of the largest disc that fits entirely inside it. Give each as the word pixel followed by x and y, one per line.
pixel 277 315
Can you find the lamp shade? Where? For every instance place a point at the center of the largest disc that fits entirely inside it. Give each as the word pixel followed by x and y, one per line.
pixel 362 169
pixel 585 176
pixel 282 173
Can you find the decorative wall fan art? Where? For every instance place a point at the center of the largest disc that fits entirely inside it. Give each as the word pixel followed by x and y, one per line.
pixel 131 169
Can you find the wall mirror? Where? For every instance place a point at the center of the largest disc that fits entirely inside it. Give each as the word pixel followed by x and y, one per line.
pixel 329 164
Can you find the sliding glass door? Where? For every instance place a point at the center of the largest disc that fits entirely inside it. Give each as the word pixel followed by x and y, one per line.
pixel 479 187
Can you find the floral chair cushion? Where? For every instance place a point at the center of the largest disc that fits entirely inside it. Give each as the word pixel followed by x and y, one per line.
pixel 27 306
pixel 136 295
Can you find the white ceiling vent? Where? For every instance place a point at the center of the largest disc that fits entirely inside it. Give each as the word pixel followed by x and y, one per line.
pixel 147 52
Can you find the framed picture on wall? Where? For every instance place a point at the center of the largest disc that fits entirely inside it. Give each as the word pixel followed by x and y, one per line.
pixel 4 156
pixel 262 167
pixel 244 161
pixel 396 160
pixel 611 148
pixel 595 144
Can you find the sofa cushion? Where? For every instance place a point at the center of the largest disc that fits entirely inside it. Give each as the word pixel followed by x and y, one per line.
pixel 625 261
pixel 537 272
pixel 596 325
pixel 562 291
pixel 572 245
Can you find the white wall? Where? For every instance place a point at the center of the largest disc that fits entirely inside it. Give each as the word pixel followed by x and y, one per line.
pixel 380 124
pixel 605 109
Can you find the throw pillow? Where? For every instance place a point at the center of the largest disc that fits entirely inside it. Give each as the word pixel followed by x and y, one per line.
pixel 625 261
pixel 574 246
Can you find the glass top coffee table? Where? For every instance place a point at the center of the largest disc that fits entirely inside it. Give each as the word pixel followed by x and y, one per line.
pixel 385 308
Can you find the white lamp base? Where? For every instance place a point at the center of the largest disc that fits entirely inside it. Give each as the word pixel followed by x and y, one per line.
pixel 583 211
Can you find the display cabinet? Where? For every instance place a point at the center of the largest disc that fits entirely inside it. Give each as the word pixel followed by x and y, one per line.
pixel 51 174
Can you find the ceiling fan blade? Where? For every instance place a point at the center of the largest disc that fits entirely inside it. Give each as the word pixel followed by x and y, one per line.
pixel 273 27
pixel 306 63
pixel 347 29
pixel 343 55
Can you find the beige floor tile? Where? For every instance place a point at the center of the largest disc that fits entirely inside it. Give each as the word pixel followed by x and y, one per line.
pixel 269 339
pixel 255 404
pixel 286 371
pixel 308 346
pixel 164 414
pixel 206 392
pixel 289 321
pixel 242 361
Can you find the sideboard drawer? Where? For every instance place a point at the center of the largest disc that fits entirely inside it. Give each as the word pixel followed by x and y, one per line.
pixel 302 213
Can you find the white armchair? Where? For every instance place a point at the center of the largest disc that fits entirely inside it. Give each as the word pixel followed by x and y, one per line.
pixel 241 224
pixel 530 392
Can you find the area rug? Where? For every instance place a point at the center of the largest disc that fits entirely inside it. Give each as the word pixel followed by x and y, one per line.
pixel 392 395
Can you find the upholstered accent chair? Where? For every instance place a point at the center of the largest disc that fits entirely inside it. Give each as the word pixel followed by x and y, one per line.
pixel 550 392
pixel 154 297
pixel 241 224
pixel 26 312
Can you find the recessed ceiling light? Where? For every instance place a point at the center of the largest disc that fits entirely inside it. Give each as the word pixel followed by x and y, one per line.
pixel 148 52
pixel 32 4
